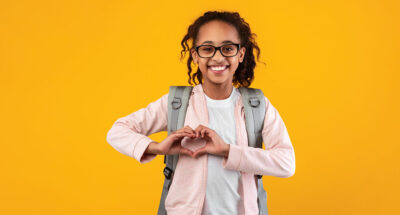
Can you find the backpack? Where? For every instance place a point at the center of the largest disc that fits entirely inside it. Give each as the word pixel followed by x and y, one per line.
pixel 254 110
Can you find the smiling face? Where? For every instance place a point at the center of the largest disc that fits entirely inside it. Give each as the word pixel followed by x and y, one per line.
pixel 218 33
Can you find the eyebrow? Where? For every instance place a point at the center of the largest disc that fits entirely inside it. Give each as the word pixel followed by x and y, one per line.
pixel 226 41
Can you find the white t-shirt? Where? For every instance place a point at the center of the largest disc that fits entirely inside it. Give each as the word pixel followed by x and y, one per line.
pixel 222 196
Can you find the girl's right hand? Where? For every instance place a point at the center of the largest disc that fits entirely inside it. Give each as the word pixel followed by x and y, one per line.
pixel 172 144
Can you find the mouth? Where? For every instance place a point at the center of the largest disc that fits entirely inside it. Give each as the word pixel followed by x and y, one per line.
pixel 218 69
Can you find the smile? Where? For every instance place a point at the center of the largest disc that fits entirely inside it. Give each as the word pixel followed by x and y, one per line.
pixel 218 69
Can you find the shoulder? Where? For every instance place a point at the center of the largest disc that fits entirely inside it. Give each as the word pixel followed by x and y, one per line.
pixel 267 101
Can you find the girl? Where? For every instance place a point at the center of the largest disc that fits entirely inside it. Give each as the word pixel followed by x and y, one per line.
pixel 215 173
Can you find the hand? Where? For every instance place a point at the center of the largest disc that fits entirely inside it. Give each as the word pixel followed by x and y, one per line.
pixel 214 143
pixel 172 144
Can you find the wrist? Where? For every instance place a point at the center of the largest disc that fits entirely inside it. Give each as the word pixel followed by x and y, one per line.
pixel 152 148
pixel 226 154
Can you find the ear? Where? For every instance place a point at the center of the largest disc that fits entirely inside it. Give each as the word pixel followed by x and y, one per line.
pixel 194 56
pixel 242 52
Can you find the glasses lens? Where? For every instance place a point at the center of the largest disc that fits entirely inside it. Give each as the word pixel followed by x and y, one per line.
pixel 229 50
pixel 206 51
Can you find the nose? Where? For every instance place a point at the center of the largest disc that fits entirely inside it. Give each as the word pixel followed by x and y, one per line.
pixel 218 56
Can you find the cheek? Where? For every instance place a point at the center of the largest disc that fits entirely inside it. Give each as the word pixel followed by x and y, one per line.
pixel 203 65
pixel 234 64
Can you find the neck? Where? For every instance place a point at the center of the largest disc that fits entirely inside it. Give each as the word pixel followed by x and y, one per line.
pixel 217 92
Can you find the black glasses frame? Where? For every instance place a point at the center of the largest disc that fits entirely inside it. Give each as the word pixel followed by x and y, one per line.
pixel 216 48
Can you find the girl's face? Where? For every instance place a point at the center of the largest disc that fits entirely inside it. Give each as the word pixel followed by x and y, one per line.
pixel 218 33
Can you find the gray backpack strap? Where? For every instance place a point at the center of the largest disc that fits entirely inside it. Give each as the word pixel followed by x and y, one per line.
pixel 261 198
pixel 178 100
pixel 254 110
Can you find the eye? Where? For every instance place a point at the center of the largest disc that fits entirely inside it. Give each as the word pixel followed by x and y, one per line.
pixel 229 48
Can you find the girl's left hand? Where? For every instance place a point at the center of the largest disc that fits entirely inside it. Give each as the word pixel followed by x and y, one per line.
pixel 214 143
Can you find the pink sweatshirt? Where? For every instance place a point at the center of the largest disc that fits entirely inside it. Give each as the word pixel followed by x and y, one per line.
pixel 129 135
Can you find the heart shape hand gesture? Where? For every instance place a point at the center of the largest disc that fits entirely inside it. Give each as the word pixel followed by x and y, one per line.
pixel 173 143
pixel 214 143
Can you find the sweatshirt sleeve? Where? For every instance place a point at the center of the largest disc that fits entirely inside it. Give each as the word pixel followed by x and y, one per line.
pixel 129 134
pixel 277 159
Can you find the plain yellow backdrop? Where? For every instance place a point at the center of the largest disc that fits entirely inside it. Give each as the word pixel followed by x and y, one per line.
pixel 69 69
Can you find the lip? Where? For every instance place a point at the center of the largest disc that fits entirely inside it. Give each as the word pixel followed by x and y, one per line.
pixel 218 72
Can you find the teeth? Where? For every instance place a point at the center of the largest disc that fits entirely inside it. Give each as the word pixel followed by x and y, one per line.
pixel 218 68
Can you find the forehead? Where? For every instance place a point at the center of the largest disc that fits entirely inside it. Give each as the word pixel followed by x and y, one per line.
pixel 217 33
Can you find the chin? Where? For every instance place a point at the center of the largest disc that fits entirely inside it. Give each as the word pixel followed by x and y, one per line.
pixel 219 80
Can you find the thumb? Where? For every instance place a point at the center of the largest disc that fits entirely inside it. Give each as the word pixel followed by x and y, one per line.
pixel 199 152
pixel 185 151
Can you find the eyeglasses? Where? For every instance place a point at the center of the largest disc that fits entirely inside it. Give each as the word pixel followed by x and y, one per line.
pixel 208 51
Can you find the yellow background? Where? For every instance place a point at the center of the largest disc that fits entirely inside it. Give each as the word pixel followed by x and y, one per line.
pixel 69 69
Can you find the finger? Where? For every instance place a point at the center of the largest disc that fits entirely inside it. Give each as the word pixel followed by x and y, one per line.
pixel 184 133
pixel 211 133
pixel 185 130
pixel 198 130
pixel 189 134
pixel 188 129
pixel 193 132
pixel 178 137
pixel 203 132
pixel 187 126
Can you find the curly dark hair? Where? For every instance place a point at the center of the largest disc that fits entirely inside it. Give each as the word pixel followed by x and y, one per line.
pixel 244 74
